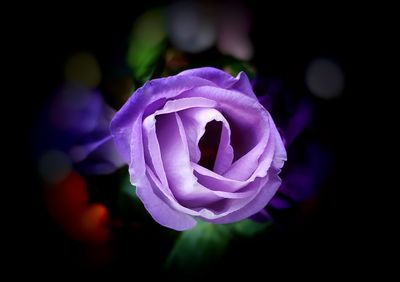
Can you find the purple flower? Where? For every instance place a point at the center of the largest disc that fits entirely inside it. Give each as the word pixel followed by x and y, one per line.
pixel 76 121
pixel 310 160
pixel 199 145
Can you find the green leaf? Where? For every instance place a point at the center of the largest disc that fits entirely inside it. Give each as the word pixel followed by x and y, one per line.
pixel 249 228
pixel 147 43
pixel 199 248
pixel 128 189
pixel 235 67
pixel 128 202
pixel 202 247
pixel 142 59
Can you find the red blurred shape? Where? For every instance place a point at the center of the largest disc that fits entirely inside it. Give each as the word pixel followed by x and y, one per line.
pixel 68 204
pixel 67 198
pixel 93 224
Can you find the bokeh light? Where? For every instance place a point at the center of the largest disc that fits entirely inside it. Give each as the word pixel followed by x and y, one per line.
pixel 54 166
pixel 150 27
pixel 146 43
pixel 83 68
pixel 68 203
pixel 93 224
pixel 325 78
pixel 76 109
pixel 191 26
pixel 234 31
pixel 120 88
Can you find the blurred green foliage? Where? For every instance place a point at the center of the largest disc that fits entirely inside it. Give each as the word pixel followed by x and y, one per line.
pixel 195 249
pixel 146 44
pixel 203 246
pixel 199 248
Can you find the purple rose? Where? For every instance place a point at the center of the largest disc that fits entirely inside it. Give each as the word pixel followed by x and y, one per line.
pixel 199 145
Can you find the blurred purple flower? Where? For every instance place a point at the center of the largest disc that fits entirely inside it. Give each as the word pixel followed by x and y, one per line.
pixel 310 161
pixel 76 121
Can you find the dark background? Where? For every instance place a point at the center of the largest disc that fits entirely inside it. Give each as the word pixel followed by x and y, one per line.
pixel 328 241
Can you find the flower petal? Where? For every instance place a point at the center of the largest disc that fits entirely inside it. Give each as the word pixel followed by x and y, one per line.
pixel 273 153
pixel 215 181
pixel 258 203
pixel 175 156
pixel 175 149
pixel 160 211
pixel 227 206
pixel 194 122
pixel 125 120
pixel 152 151
pixel 247 119
pixel 241 83
pixel 126 126
pixel 299 121
pixel 98 157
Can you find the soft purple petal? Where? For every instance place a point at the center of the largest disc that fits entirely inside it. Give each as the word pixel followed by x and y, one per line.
pixel 251 113
pixel 271 157
pixel 278 202
pixel 299 121
pixel 173 106
pixel 97 152
pixel 241 83
pixel 226 207
pixel 164 193
pixel 175 156
pixel 257 204
pixel 80 152
pixel 280 154
pixel 195 192
pixel 195 204
pixel 261 216
pixel 194 122
pixel 245 113
pixel 215 181
pixel 242 113
pixel 149 126
pixel 102 158
pixel 152 150
pixel 76 109
pixel 160 211
pixel 246 166
pixel 76 121
pixel 199 193
pixel 127 118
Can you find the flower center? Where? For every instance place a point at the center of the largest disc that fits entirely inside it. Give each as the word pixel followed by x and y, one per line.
pixel 209 144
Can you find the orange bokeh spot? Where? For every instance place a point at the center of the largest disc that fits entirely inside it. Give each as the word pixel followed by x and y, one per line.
pixel 93 224
pixel 68 204
pixel 67 198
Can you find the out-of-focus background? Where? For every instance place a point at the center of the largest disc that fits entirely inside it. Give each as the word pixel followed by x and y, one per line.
pixel 301 65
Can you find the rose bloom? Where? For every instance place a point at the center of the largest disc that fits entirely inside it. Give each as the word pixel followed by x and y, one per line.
pixel 199 145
